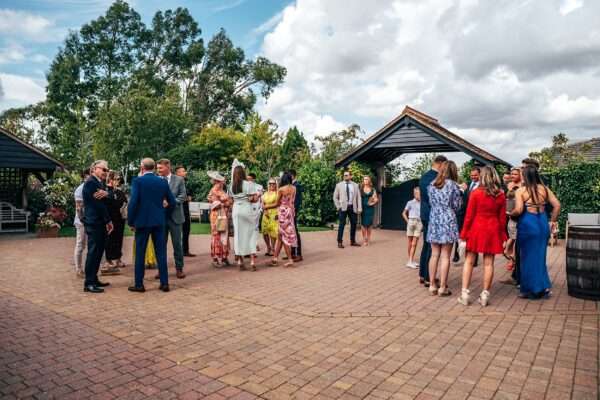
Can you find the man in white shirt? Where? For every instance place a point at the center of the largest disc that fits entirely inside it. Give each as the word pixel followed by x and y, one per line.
pixel 346 198
pixel 81 237
pixel 467 190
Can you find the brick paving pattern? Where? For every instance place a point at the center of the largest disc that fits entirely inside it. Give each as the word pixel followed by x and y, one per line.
pixel 346 324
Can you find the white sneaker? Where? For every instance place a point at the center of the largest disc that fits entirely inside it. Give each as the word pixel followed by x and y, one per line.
pixel 484 298
pixel 464 297
pixel 411 265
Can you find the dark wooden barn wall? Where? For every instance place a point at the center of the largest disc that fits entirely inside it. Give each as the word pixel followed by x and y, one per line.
pixel 14 155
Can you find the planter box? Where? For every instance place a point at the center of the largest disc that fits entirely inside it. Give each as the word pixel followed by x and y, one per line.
pixel 47 232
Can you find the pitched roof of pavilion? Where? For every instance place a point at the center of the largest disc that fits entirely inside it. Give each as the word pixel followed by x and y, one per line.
pixel 414 132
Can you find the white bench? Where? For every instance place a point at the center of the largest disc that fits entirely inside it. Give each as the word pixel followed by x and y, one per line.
pixel 197 209
pixel 13 219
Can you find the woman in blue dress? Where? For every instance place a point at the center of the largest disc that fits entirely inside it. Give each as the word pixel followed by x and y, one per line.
pixel 445 200
pixel 533 232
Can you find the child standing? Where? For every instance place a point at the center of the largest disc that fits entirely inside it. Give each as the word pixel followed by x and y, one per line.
pixel 414 227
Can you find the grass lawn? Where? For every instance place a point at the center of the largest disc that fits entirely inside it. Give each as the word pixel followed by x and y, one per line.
pixel 197 229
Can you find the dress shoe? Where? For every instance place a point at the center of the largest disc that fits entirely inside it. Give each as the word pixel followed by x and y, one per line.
pixel 180 274
pixel 355 244
pixel 102 284
pixel 189 255
pixel 139 289
pixel 157 276
pixel 164 288
pixel 93 289
pixel 297 258
pixel 340 245
pixel 456 259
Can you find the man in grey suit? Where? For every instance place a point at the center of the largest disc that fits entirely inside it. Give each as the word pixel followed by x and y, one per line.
pixel 348 204
pixel 176 218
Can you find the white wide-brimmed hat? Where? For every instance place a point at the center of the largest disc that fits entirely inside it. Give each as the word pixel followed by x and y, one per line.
pixel 216 176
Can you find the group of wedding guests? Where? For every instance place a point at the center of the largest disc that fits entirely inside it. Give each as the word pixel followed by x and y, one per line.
pixel 487 217
pixel 158 207
pixel 245 209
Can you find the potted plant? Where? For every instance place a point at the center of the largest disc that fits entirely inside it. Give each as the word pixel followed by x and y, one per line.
pixel 48 223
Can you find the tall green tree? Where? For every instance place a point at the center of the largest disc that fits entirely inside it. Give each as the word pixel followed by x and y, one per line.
pixel 295 150
pixel 116 53
pixel 336 144
pixel 22 122
pixel 138 125
pixel 223 90
pixel 262 147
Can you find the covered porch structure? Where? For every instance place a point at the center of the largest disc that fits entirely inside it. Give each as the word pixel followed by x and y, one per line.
pixel 19 160
pixel 410 132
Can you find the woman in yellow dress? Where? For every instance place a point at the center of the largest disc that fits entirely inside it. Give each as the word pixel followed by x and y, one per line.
pixel 270 226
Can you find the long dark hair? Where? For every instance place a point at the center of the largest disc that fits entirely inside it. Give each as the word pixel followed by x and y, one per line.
pixel 239 176
pixel 286 179
pixel 531 180
pixel 447 171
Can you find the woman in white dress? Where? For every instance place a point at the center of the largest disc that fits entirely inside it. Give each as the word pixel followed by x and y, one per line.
pixel 245 235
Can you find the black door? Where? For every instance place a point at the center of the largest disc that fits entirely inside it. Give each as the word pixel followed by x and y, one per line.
pixel 394 200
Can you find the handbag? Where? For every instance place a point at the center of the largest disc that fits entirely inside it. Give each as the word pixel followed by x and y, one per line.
pixel 222 222
pixel 373 199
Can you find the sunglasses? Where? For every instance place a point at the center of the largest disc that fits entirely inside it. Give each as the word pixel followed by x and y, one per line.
pixel 104 169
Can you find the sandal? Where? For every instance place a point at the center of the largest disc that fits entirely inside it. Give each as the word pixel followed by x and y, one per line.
pixel 289 264
pixel 274 262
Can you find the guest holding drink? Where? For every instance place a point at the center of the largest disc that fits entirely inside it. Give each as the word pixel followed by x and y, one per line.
pixel 484 231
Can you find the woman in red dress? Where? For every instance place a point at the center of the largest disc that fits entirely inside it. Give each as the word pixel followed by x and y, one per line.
pixel 484 231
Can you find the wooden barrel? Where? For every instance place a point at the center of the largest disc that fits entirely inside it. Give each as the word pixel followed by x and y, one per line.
pixel 583 262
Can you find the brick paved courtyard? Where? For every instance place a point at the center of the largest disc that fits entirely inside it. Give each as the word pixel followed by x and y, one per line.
pixel 347 324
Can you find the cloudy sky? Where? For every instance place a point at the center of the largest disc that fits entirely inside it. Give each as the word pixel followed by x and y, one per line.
pixel 505 74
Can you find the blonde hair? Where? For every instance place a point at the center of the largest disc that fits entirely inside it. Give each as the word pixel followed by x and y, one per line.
pixel 490 181
pixel 448 170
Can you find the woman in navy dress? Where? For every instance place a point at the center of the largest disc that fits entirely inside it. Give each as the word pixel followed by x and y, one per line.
pixel 533 232
pixel 445 199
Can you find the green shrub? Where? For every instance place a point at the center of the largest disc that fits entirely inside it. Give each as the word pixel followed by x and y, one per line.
pixel 577 187
pixel 318 179
pixel 59 192
pixel 198 185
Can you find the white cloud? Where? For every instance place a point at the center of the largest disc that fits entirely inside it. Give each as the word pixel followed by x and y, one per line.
pixel 20 91
pixel 12 54
pixel 506 75
pixel 568 6
pixel 16 23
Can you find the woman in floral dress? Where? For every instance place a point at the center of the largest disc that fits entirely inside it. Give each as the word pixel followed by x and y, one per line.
pixel 219 209
pixel 285 216
pixel 445 199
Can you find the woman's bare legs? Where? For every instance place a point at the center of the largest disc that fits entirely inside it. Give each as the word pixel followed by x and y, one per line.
pixel 488 271
pixel 369 231
pixel 413 241
pixel 433 264
pixel 363 232
pixel 446 252
pixel 468 269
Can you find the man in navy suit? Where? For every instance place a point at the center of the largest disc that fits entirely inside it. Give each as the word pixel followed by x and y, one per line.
pixel 97 223
pixel 425 181
pixel 147 215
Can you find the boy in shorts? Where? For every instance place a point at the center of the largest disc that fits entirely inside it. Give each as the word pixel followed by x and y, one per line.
pixel 414 226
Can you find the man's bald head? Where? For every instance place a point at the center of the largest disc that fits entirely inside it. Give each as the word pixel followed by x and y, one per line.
pixel 148 164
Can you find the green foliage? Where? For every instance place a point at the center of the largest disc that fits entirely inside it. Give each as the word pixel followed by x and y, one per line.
pixel 559 154
pixel 318 179
pixel 117 61
pixel 262 148
pixel 294 151
pixel 336 144
pixel 140 124
pixel 577 186
pixel 421 165
pixel 198 185
pixel 20 121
